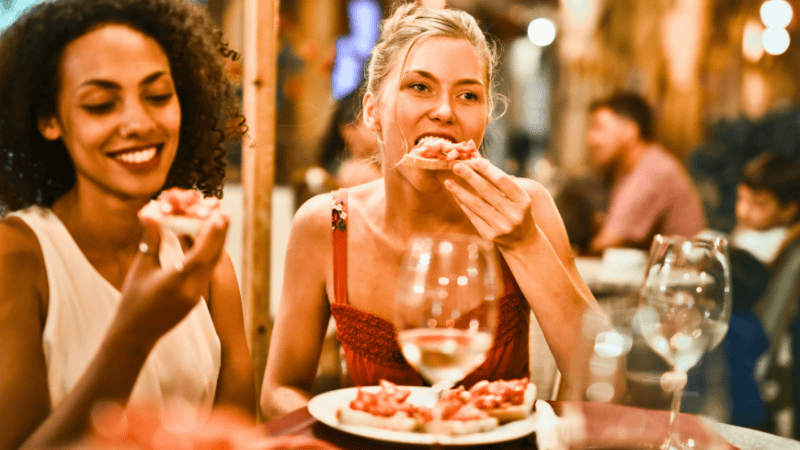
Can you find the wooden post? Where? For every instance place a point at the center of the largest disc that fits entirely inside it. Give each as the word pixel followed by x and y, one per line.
pixel 258 169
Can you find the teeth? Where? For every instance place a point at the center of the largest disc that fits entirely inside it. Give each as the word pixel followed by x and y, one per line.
pixel 137 157
pixel 434 138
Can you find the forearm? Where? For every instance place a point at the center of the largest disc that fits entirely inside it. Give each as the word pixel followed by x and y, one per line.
pixel 236 386
pixel 556 300
pixel 110 376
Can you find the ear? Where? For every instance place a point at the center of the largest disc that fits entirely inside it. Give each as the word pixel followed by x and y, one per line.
pixel 631 129
pixel 788 212
pixel 369 109
pixel 49 127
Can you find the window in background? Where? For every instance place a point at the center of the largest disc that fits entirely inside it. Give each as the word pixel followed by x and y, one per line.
pixel 352 50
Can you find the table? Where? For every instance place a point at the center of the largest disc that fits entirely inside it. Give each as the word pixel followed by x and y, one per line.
pixel 603 430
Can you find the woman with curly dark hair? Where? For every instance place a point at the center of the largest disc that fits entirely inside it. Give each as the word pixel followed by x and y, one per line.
pixel 106 103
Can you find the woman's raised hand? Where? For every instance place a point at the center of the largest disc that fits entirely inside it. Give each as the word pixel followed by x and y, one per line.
pixel 497 206
pixel 155 298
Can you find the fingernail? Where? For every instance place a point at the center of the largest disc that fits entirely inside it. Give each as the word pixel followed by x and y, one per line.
pixel 458 168
pixel 448 183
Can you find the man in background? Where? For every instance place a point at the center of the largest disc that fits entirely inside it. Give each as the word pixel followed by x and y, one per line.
pixel 650 191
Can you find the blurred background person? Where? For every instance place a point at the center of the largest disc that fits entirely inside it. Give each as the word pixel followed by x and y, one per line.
pixel 348 149
pixel 767 204
pixel 650 191
pixel 767 224
pixel 745 342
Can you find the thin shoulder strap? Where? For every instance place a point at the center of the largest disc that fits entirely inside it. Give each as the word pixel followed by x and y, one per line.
pixel 339 224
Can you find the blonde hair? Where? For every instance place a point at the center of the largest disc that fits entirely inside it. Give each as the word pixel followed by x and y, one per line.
pixel 411 23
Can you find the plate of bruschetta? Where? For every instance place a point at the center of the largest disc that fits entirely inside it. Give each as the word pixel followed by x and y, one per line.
pixel 488 412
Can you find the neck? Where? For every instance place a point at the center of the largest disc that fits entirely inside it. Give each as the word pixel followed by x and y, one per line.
pixel 100 223
pixel 630 158
pixel 409 211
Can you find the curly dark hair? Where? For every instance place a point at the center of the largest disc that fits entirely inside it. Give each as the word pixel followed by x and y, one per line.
pixel 35 171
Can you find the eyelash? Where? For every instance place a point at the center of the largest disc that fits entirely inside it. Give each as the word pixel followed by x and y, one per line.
pixel 105 107
pixel 161 98
pixel 417 86
pixel 420 87
pixel 98 109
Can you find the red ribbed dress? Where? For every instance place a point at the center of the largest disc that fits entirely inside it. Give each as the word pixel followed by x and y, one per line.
pixel 370 342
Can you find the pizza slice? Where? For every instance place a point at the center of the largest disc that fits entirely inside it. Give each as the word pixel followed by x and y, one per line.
pixel 436 153
pixel 181 211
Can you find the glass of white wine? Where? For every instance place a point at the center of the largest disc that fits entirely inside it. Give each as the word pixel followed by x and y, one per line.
pixel 446 305
pixel 685 309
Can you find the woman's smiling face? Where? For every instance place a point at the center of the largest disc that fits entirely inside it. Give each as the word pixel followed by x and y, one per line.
pixel 117 111
pixel 441 91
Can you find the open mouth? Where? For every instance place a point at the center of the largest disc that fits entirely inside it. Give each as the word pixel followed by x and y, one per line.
pixel 433 138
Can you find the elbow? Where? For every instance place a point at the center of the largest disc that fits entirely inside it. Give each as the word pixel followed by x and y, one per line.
pixel 278 399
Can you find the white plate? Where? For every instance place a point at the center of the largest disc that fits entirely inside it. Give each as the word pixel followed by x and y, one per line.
pixel 324 406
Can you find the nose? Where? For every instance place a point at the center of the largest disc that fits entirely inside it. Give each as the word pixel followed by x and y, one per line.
pixel 136 120
pixel 442 110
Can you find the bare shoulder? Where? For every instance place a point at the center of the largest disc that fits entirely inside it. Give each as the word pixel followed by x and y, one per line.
pixel 19 245
pixel 22 268
pixel 314 216
pixel 540 196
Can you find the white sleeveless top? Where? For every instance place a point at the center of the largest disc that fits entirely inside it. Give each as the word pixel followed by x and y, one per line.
pixel 184 363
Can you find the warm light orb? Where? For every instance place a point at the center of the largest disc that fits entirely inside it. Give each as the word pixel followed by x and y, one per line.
pixel 542 32
pixel 776 13
pixel 752 48
pixel 775 40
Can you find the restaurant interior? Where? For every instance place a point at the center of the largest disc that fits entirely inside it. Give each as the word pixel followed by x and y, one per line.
pixel 720 75
pixel 722 78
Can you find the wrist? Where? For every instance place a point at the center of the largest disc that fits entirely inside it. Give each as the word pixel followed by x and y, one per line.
pixel 130 341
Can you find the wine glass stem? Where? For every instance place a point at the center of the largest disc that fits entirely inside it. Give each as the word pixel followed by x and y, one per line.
pixel 673 440
pixel 438 390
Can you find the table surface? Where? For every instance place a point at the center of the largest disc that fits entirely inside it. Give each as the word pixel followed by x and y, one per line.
pixel 600 419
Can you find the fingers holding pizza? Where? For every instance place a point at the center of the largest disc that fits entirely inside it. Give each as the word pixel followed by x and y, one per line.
pixel 495 202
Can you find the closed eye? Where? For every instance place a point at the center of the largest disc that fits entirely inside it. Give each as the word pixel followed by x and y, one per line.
pixel 99 108
pixel 160 99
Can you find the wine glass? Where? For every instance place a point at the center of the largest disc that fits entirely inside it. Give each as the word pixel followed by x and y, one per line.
pixel 685 308
pixel 446 305
pixel 446 309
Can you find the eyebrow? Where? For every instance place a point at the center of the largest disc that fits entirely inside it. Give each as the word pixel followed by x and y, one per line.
pixel 107 84
pixel 465 81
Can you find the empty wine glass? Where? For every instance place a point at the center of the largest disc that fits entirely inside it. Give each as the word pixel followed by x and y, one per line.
pixel 685 308
pixel 446 305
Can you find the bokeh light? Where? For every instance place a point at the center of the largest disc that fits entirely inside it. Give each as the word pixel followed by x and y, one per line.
pixel 542 31
pixel 775 40
pixel 776 13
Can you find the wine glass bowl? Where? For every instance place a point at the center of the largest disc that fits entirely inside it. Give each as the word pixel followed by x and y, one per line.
pixel 685 307
pixel 446 305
